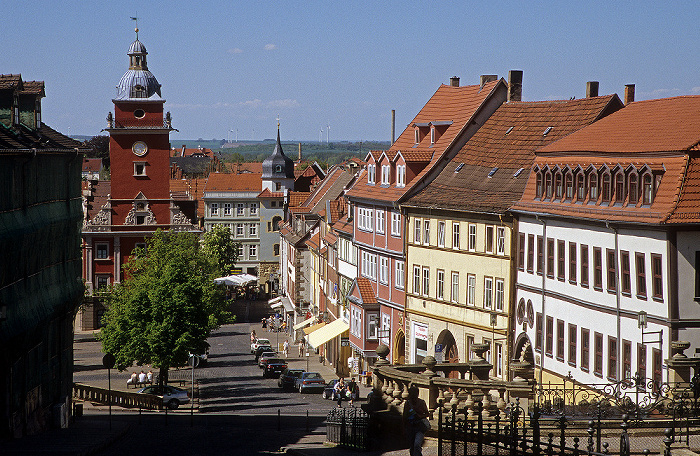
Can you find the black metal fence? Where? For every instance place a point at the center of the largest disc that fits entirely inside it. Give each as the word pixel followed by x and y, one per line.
pixel 348 427
pixel 522 433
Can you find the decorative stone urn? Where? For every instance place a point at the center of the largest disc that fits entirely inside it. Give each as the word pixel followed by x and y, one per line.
pixel 480 368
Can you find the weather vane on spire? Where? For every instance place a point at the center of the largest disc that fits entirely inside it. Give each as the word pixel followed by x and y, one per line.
pixel 136 19
pixel 278 122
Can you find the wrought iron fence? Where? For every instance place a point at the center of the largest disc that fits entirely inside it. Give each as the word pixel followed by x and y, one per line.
pixel 520 433
pixel 348 427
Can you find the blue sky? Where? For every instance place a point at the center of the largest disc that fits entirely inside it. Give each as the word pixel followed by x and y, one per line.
pixel 231 65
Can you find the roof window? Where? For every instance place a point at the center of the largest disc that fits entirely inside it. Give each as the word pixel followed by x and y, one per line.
pixel 459 167
pixel 509 130
pixel 517 173
pixel 546 131
pixel 493 171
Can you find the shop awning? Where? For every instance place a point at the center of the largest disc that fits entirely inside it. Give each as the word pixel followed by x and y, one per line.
pixel 304 323
pixel 327 332
pixel 236 280
pixel 313 328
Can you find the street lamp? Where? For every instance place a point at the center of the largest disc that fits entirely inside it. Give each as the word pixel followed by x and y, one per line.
pixel 642 320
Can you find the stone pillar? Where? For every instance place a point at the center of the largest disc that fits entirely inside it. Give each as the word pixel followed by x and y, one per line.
pixel 679 364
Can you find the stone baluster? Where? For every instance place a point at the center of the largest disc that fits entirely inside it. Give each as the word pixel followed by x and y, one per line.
pixel 400 387
pixel 389 392
pixel 501 404
pixel 486 402
pixel 469 406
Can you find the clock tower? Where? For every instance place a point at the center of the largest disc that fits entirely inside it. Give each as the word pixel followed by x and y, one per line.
pixel 138 198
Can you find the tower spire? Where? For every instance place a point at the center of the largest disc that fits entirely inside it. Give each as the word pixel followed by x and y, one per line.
pixel 136 19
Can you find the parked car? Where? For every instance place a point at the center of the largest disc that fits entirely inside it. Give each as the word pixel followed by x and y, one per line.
pixel 262 349
pixel 310 381
pixel 288 377
pixel 329 391
pixel 258 342
pixel 274 367
pixel 172 396
pixel 264 356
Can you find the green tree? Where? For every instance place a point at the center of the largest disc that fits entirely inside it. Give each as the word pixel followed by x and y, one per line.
pixel 219 245
pixel 99 146
pixel 166 307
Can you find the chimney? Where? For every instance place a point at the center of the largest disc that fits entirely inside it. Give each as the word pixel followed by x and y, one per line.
pixel 487 78
pixel 591 89
pixel 299 152
pixel 515 85
pixel 454 81
pixel 184 146
pixel 629 93
pixel 393 125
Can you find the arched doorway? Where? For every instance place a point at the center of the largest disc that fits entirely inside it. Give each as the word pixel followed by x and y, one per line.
pixel 399 348
pixel 449 350
pixel 523 361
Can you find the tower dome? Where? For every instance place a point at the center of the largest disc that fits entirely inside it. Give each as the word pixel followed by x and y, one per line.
pixel 138 84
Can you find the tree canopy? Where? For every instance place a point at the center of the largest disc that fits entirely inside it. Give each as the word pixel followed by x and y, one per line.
pixel 99 148
pixel 219 245
pixel 167 305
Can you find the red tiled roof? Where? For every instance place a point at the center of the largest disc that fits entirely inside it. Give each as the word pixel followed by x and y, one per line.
pixel 667 124
pixel 92 164
pixel 364 286
pixel 220 182
pixel 296 199
pixel 10 81
pixel 343 225
pixel 314 241
pixel 268 194
pixel 245 167
pixel 507 141
pixel 330 238
pixel 185 152
pixel 456 106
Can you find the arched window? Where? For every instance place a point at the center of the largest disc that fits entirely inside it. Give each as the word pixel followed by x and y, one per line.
pixel 538 184
pixel 558 189
pixel 593 187
pixel 138 91
pixel 647 189
pixel 606 187
pixel 633 188
pixel 548 185
pixel 580 187
pixel 619 188
pixel 569 186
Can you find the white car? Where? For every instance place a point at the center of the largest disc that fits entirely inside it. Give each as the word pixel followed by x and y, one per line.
pixel 258 342
pixel 172 396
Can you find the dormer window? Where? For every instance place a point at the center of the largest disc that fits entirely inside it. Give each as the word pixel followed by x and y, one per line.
pixel 580 187
pixel 538 184
pixel 647 189
pixel 400 175
pixel 385 174
pixel 619 188
pixel 548 185
pixel 606 187
pixel 593 187
pixel 432 136
pixel 416 135
pixel 138 91
pixel 633 188
pixel 371 174
pixel 568 186
pixel 278 168
pixel 558 189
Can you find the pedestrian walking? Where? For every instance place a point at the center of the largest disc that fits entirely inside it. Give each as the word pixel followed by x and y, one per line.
pixel 340 390
pixel 353 390
pixel 301 348
pixel 264 323
pixel 286 348
pixel 415 418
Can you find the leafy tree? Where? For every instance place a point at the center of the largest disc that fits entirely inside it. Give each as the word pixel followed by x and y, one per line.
pixel 219 245
pixel 167 305
pixel 100 148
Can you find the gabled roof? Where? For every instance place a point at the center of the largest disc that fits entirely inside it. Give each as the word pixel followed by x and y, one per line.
pixel 268 194
pixel 458 105
pixel 296 199
pixel 329 188
pixel 245 167
pixel 221 182
pixel 660 136
pixel 490 172
pixel 92 165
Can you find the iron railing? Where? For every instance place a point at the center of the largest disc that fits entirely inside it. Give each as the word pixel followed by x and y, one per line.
pixel 348 427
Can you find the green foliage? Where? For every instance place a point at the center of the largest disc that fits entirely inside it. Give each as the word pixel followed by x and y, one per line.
pixel 323 153
pixel 167 305
pixel 99 148
pixel 219 245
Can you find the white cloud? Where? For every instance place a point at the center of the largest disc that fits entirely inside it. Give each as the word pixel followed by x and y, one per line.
pixel 286 103
pixel 251 103
pixel 270 47
pixel 695 89
pixel 235 51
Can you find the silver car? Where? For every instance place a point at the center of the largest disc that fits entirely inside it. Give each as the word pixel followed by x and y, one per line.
pixel 172 396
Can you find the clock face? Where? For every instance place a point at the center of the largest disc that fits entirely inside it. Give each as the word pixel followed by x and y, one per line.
pixel 140 148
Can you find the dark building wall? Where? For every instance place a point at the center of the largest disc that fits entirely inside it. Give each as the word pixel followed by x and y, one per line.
pixel 40 286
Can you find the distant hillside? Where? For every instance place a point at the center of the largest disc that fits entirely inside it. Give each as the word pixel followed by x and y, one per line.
pixel 323 153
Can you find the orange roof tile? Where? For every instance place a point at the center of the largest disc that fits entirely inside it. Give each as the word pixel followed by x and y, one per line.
pixel 268 194
pixel 364 286
pixel 220 182
pixel 297 198
pixel 314 241
pixel 507 141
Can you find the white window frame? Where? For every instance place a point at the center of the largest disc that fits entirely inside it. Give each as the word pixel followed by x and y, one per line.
pixel 386 326
pixel 356 322
pixel 98 248
pixel 384 270
pixel 416 280
pixel 417 230
pixel 252 251
pixel 499 360
pixel 455 235
pixel 441 234
pixel 426 232
pixel 97 280
pixel 440 284
pixel 400 175
pixel 471 240
pixel 253 230
pixel 240 209
pixel 380 221
pixel 140 169
pixel 371 173
pixel 426 280
pixel 253 208
pixel 214 209
pixel 471 289
pixel 240 230
pixel 386 172
pixel 372 325
pixel 454 293
pixel 396 224
pixel 399 274
pixel 500 240
pixel 500 295
pixel 432 135
pixel 488 292
pixel 227 209
pixel 488 246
